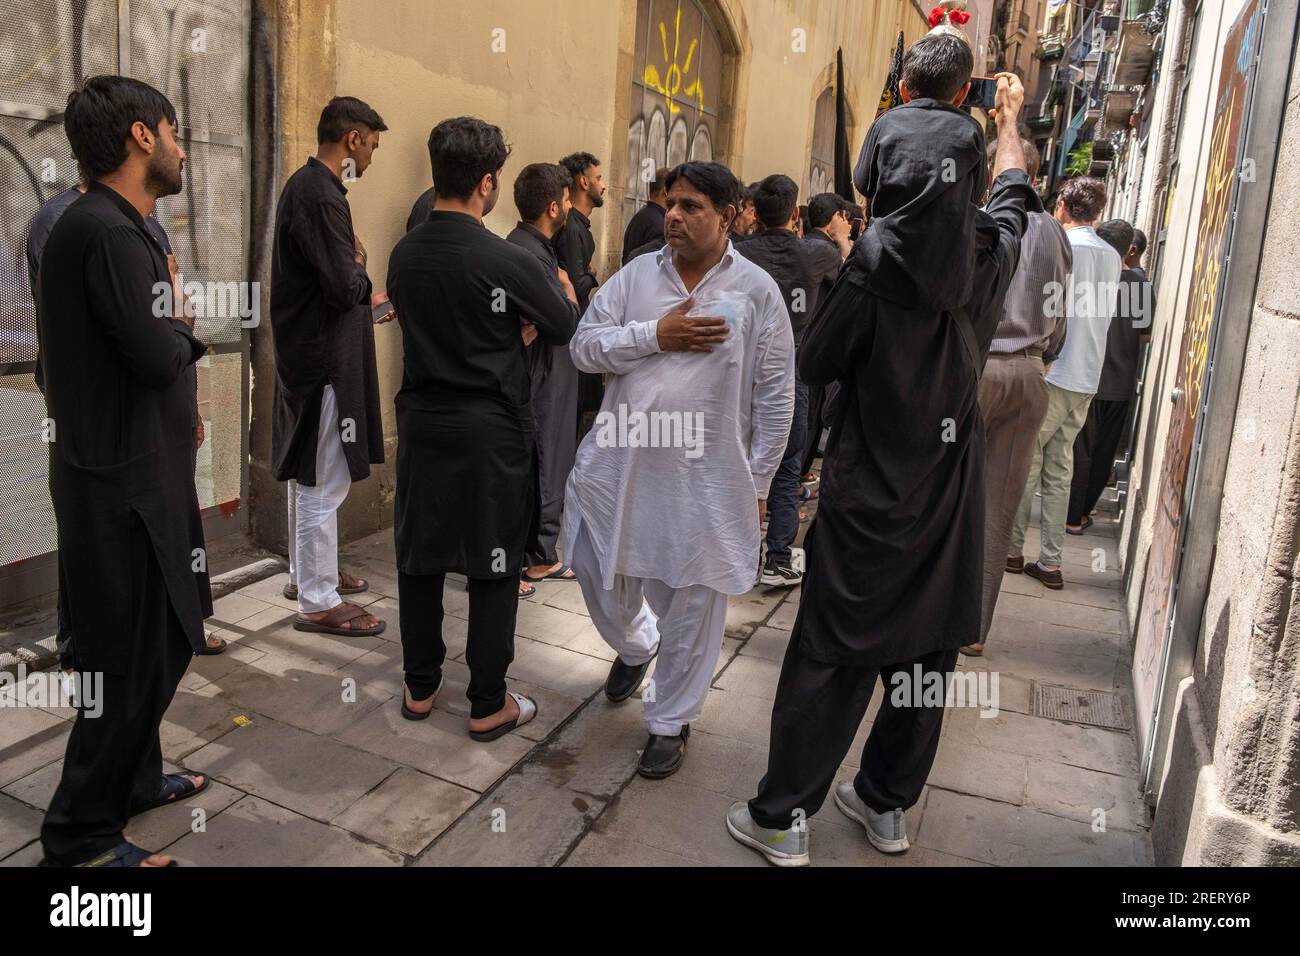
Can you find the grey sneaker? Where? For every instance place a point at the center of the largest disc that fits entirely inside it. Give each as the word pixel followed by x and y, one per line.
pixel 886 831
pixel 781 847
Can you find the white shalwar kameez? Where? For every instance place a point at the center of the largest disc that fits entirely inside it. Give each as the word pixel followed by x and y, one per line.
pixel 661 508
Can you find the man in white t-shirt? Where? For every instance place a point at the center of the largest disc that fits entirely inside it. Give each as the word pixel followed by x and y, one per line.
pixel 1089 301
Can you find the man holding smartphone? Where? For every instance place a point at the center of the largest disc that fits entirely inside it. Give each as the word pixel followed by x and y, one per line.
pixel 893 578
pixel 326 432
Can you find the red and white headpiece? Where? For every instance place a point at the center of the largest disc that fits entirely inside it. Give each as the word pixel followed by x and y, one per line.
pixel 948 18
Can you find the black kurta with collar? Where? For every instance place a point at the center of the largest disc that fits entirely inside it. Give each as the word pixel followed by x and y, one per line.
pixel 121 402
pixel 466 452
pixel 322 327
pixel 555 407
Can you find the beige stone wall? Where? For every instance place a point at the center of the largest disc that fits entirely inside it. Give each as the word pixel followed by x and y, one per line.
pixel 556 77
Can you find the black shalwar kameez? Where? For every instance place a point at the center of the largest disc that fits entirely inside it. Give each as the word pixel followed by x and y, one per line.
pixel 895 552
pixel 122 485
pixel 322 327
pixel 555 409
pixel 466 452
pixel 575 248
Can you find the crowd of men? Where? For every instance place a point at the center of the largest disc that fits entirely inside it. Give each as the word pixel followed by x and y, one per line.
pixel 922 338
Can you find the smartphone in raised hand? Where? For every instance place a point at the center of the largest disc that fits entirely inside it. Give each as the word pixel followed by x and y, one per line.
pixel 983 93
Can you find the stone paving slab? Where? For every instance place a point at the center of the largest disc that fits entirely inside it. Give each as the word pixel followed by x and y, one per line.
pixel 1005 835
pixel 30 738
pixel 305 776
pixel 407 811
pixel 19 825
pixel 300 771
pixel 256 832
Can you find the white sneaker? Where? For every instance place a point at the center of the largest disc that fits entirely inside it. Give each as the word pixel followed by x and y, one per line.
pixel 886 831
pixel 781 847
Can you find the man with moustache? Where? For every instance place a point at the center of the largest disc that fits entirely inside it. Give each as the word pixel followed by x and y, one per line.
pixel 575 247
pixel 326 432
pixel 114 355
pixel 660 533
pixel 542 197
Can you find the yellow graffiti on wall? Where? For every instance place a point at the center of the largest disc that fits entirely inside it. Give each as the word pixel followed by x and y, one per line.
pixel 671 82
pixel 1209 251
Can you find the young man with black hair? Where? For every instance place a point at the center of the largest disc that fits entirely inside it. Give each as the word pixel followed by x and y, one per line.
pixel 776 249
pixel 647 225
pixel 327 431
pixel 542 198
pixel 1088 303
pixel 1098 441
pixel 1013 393
pixel 826 240
pixel 893 580
pixel 746 221
pixel 575 247
pixel 470 303
pixel 661 518
pixel 114 359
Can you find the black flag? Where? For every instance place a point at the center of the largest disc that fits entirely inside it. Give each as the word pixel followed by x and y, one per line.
pixel 890 97
pixel 843 162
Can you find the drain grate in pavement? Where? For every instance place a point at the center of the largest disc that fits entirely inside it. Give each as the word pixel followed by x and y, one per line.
pixel 1095 708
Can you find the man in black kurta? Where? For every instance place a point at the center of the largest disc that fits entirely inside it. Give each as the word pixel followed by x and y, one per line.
pixel 782 255
pixel 466 446
pixel 647 225
pixel 575 248
pixel 121 469
pixel 895 552
pixel 326 431
pixel 542 197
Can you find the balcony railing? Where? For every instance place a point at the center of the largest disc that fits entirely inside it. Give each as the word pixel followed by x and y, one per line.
pixel 1050 46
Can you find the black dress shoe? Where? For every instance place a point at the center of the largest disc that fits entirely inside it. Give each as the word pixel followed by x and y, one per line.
pixel 663 755
pixel 624 679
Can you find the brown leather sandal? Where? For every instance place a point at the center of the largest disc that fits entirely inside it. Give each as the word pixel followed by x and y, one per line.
pixel 335 620
pixel 347 585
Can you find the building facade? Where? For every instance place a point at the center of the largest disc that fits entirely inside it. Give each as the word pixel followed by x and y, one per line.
pixel 1201 110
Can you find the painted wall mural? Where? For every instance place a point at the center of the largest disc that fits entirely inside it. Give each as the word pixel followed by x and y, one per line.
pixel 677 79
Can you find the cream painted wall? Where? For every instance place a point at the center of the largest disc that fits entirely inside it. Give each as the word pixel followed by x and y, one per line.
pixel 421 61
pixel 784 84
pixel 559 85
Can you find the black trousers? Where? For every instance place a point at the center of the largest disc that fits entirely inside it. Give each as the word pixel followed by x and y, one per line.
pixel 1094 455
pixel 817 712
pixel 114 760
pixel 493 606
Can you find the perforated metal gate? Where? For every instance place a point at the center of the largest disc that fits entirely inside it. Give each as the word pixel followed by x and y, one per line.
pixel 195 52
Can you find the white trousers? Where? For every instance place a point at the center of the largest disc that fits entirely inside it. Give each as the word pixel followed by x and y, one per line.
pixel 639 614
pixel 313 517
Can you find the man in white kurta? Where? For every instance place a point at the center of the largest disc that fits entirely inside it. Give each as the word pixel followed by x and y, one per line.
pixel 661 508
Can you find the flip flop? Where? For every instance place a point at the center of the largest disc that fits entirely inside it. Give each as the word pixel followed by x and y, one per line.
pixel 527 711
pixel 332 623
pixel 432 698
pixel 291 590
pixel 1083 526
pixel 970 653
pixel 122 855
pixel 526 591
pixel 175 788
pixel 208 649
pixel 565 573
